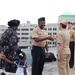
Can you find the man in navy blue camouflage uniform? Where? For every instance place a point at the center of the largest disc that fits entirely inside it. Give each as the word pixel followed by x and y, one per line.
pixel 9 41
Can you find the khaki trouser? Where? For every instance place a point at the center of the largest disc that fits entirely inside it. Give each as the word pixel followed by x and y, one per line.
pixel 63 64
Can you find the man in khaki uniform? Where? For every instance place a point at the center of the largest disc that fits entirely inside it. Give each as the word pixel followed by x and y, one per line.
pixel 39 42
pixel 72 39
pixel 63 51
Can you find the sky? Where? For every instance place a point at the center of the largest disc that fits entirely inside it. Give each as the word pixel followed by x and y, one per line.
pixel 31 10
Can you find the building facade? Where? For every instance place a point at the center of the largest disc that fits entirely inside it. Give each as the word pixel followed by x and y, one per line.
pixel 24 33
pixel 24 30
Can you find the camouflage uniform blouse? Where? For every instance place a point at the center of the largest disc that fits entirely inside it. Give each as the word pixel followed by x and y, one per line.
pixel 9 42
pixel 9 46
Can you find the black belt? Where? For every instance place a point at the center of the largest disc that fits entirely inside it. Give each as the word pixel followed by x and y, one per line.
pixel 39 47
pixel 71 41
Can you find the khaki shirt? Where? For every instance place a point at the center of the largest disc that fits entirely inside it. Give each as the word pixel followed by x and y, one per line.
pixel 37 32
pixel 64 38
pixel 72 35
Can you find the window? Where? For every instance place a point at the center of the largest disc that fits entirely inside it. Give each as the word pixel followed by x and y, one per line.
pixel 25 29
pixel 49 29
pixel 49 33
pixel 53 42
pixel 45 28
pixel 31 29
pixel 18 33
pixel 24 33
pixel 49 42
pixel 25 38
pixel 54 33
pixel 73 23
pixel 54 28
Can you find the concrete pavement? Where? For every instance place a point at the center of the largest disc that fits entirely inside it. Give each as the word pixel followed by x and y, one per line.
pixel 50 68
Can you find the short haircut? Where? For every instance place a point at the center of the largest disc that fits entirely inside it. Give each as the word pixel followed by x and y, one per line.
pixel 63 26
pixel 41 19
pixel 70 23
